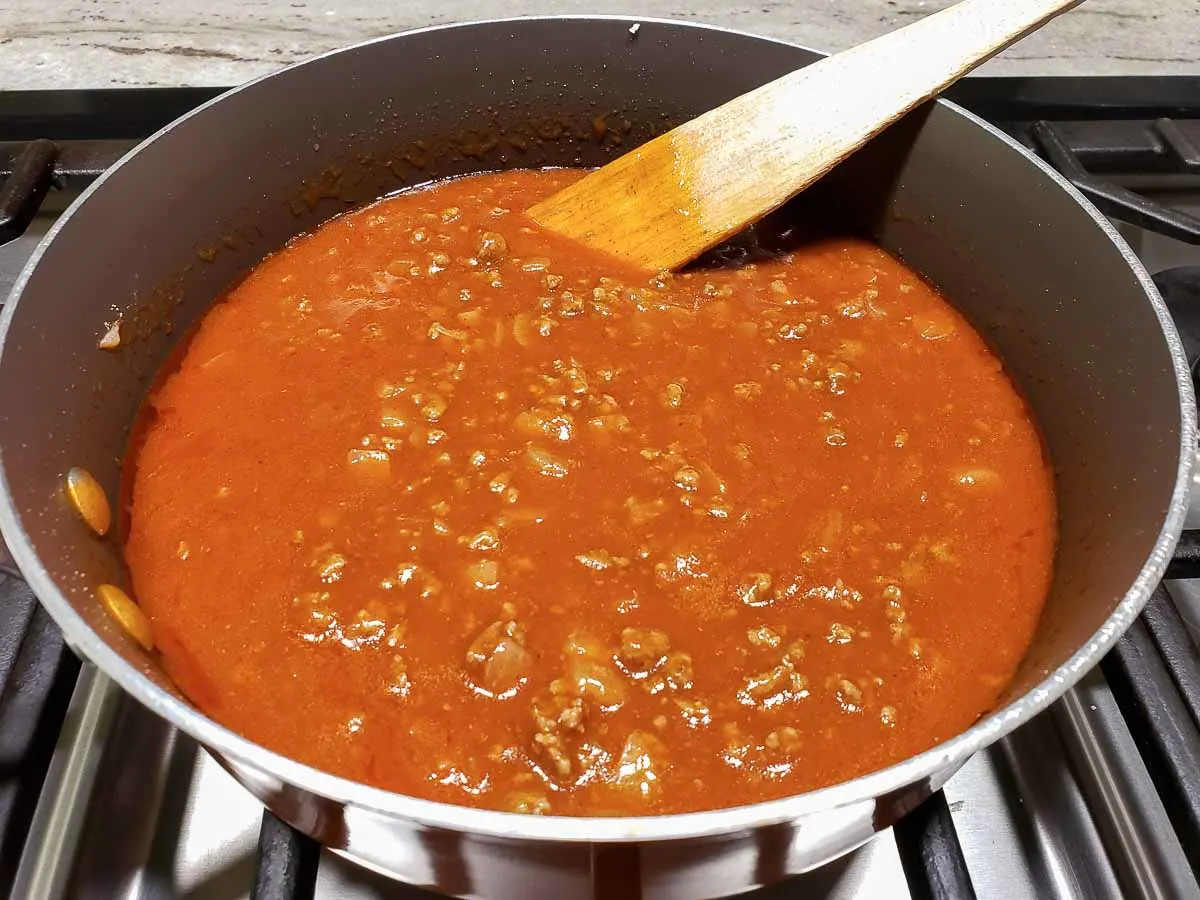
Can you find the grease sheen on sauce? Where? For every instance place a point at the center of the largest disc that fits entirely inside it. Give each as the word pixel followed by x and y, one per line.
pixel 442 504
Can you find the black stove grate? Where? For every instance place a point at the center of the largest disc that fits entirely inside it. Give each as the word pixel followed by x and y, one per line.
pixel 1160 146
pixel 286 866
pixel 1147 671
pixel 931 855
pixel 1090 129
pixel 37 675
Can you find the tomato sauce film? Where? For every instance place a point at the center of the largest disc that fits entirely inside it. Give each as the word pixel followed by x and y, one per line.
pixel 444 504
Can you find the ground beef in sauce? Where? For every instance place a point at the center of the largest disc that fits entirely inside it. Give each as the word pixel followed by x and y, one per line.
pixel 441 503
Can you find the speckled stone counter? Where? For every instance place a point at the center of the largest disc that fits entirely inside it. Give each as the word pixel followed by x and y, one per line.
pixel 113 43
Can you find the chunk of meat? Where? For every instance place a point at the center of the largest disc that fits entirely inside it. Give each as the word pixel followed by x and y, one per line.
pixel 642 764
pixel 794 654
pixel 756 590
pixel 589 689
pixel 641 512
pixel 785 739
pixel 492 247
pixel 589 675
pixel 642 650
pixel 558 723
pixel 696 713
pixel 773 687
pixel 532 803
pixel 763 637
pixel 497 662
pixel 674 674
pixel 596 681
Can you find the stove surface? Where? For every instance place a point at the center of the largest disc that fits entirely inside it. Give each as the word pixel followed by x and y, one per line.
pixel 1063 808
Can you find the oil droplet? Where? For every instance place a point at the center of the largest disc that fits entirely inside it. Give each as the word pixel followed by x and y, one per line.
pixel 126 613
pixel 89 500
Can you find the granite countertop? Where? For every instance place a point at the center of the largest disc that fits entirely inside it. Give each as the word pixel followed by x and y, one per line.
pixel 114 43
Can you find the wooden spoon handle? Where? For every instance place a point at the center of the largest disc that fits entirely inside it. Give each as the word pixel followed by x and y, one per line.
pixel 671 199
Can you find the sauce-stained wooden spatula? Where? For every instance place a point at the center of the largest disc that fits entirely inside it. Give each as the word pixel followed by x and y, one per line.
pixel 668 201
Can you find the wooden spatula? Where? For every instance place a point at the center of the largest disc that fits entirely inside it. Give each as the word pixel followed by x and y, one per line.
pixel 668 201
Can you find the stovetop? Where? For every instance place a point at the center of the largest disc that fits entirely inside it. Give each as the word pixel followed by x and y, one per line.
pixel 1099 797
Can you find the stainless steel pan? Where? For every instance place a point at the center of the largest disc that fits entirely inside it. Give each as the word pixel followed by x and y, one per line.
pixel 1037 269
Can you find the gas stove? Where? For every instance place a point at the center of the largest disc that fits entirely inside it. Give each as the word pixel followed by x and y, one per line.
pixel 1099 797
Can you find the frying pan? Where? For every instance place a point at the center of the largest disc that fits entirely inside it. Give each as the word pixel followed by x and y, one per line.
pixel 1038 271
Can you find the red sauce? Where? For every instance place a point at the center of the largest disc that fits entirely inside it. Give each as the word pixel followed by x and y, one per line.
pixel 440 503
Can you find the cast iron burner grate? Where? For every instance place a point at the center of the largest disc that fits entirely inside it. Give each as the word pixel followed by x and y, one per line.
pixel 1089 129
